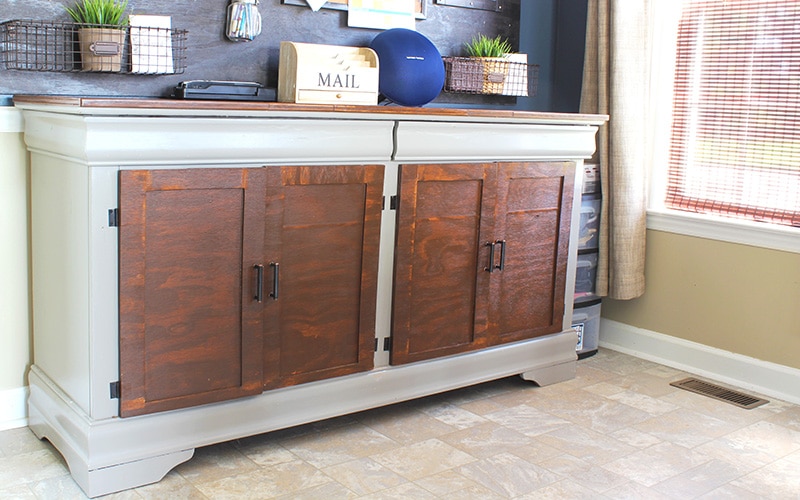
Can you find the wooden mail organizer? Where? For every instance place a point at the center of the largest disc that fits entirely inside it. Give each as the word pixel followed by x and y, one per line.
pixel 205 271
pixel 327 74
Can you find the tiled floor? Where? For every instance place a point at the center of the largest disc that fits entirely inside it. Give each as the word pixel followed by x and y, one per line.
pixel 618 430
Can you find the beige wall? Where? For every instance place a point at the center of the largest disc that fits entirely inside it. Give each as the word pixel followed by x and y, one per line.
pixel 732 297
pixel 15 339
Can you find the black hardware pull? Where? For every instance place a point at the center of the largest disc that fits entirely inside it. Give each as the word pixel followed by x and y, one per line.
pixel 502 244
pixel 275 276
pixel 259 282
pixel 491 257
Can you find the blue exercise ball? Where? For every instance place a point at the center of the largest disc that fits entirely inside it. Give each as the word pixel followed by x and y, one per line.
pixel 411 69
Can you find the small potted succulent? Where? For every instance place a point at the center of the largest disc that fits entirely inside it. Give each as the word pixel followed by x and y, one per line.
pixel 101 33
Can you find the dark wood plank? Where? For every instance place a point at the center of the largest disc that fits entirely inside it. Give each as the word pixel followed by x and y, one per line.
pixel 190 331
pixel 440 286
pixel 323 228
pixel 534 214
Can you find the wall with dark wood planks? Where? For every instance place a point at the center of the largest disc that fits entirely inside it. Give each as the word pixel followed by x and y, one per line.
pixel 210 56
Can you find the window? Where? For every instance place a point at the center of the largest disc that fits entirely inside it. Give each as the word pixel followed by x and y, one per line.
pixel 735 143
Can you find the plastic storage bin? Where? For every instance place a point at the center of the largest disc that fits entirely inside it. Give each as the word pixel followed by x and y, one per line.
pixel 591 178
pixel 586 321
pixel 585 275
pixel 589 232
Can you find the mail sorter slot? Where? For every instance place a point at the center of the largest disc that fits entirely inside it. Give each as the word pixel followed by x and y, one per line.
pixel 327 74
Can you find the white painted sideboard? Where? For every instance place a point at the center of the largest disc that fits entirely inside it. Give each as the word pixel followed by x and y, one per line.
pixel 78 148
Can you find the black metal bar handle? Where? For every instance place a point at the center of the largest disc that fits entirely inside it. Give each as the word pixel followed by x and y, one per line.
pixel 490 268
pixel 275 276
pixel 502 244
pixel 259 282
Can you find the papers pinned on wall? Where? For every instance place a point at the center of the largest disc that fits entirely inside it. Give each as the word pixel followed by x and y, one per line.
pixel 381 14
pixel 151 44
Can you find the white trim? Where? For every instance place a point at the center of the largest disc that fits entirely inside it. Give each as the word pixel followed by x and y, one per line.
pixel 13 408
pixel 769 379
pixel 10 120
pixel 743 232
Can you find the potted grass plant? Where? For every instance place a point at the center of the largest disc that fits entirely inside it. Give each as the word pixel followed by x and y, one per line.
pixel 101 33
pixel 485 68
pixel 494 65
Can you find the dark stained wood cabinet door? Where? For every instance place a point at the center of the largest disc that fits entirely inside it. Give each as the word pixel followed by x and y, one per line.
pixel 190 329
pixel 323 232
pixel 440 284
pixel 532 227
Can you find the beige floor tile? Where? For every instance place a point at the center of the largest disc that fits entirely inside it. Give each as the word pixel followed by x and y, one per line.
pixel 422 459
pixel 656 464
pixel 635 438
pixel 406 426
pixel 215 462
pixel 406 491
pixel 445 484
pixel 774 440
pixel 265 482
pixel 31 467
pixel 731 492
pixel 264 451
pixel 364 476
pixel 699 480
pixel 780 479
pixel 789 418
pixel 635 491
pixel 327 491
pixel 593 411
pixel 508 475
pixel 683 427
pixel 586 444
pixel 486 439
pixel 19 492
pixel 647 404
pixel 584 473
pixel 338 445
pixel 22 440
pixel 527 420
pixel 564 489
pixel 173 486
pixel 454 416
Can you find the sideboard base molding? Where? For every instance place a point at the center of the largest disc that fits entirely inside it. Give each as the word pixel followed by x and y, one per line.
pixel 109 455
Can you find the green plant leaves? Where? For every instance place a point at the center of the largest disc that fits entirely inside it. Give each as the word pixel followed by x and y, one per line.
pixel 483 46
pixel 106 12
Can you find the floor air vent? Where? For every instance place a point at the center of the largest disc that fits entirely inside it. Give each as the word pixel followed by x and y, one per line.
pixel 721 393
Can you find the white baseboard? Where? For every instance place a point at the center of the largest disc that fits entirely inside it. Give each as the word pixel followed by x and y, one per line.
pixel 13 408
pixel 765 378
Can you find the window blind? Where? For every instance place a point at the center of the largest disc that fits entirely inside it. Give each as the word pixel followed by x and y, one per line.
pixel 735 144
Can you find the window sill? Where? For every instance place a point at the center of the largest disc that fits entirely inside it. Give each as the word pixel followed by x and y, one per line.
pixel 757 234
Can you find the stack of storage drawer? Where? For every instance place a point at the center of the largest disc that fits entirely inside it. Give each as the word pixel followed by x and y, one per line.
pixel 586 311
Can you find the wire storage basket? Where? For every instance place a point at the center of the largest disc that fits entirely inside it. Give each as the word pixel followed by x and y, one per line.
pixel 32 45
pixel 490 76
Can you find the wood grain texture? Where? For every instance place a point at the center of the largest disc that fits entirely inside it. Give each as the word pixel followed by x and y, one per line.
pixel 446 300
pixel 534 207
pixel 190 331
pixel 323 228
pixel 440 286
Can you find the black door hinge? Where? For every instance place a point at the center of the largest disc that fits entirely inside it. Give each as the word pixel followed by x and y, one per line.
pixel 114 389
pixel 393 202
pixel 113 217
pixel 387 344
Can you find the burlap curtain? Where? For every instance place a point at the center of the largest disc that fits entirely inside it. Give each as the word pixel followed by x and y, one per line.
pixel 616 82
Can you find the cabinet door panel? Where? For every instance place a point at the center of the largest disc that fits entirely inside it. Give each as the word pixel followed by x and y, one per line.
pixel 440 282
pixel 188 321
pixel 323 229
pixel 533 218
